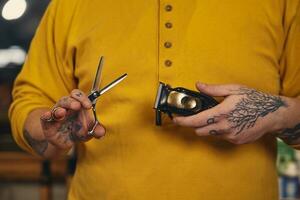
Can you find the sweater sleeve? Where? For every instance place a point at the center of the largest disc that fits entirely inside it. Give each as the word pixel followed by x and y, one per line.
pixel 290 61
pixel 47 74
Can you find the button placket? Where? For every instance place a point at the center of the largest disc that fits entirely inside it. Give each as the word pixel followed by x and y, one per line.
pixel 168 25
pixel 167 45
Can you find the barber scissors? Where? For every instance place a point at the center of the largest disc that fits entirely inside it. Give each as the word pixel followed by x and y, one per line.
pixel 96 92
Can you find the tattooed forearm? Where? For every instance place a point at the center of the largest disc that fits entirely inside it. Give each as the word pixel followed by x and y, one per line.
pixel 254 105
pixel 290 134
pixel 39 146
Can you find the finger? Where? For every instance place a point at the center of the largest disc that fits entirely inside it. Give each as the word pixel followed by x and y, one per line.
pixel 218 129
pixel 212 115
pixel 79 137
pixel 82 98
pixel 69 103
pixel 49 127
pixel 217 90
pixel 57 114
pixel 45 117
pixel 99 131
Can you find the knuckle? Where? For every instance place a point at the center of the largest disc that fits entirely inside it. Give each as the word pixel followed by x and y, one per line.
pixel 179 120
pixel 63 100
pixel 223 130
pixel 75 103
pixel 196 121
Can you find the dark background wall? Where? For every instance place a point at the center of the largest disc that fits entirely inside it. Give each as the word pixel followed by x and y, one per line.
pixel 15 38
pixel 20 31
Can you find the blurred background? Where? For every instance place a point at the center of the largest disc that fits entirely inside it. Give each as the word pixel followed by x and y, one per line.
pixel 24 177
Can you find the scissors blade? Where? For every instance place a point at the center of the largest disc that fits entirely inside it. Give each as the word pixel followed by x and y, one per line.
pixel 94 95
pixel 112 84
pixel 97 79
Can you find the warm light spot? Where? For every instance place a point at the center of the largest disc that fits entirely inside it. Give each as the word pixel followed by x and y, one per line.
pixel 13 55
pixel 14 9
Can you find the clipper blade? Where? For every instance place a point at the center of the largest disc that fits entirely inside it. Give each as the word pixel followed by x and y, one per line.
pixel 158 95
pixel 157 104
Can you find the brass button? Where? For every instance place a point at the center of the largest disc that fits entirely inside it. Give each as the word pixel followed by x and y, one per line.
pixel 168 44
pixel 168 63
pixel 168 25
pixel 168 8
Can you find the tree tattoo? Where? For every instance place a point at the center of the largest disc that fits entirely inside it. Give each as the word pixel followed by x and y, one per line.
pixel 290 134
pixel 255 104
pixel 39 146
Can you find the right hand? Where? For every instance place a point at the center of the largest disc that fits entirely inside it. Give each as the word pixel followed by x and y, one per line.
pixel 72 121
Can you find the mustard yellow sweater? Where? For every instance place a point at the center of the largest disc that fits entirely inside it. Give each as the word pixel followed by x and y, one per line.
pixel 251 42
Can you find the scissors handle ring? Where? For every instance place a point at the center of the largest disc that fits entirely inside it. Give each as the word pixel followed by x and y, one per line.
pixel 52 116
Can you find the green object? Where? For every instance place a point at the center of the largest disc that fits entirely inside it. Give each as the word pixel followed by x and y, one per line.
pixel 285 155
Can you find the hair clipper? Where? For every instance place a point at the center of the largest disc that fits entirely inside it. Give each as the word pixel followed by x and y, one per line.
pixel 180 101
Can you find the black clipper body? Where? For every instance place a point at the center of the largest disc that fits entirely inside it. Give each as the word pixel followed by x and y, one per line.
pixel 180 101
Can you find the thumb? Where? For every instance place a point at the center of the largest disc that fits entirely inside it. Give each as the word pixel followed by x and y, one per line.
pixel 217 90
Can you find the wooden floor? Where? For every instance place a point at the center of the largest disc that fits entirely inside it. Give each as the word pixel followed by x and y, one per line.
pixel 22 168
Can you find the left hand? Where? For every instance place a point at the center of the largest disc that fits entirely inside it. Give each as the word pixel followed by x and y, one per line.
pixel 244 116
